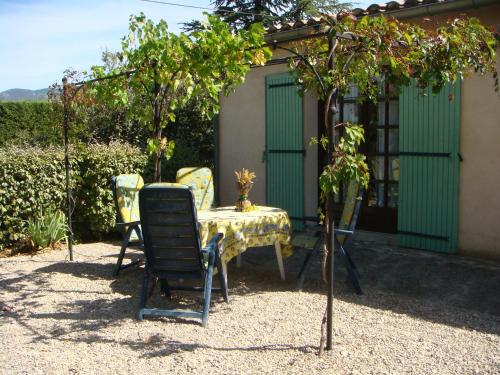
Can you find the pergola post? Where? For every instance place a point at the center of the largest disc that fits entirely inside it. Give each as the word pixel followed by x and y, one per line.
pixel 67 166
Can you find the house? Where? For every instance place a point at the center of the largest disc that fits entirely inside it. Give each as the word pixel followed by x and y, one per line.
pixel 435 175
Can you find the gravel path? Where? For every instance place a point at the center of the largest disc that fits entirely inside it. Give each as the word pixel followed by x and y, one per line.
pixel 58 317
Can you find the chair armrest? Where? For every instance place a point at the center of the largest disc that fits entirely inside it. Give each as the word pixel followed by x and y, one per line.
pixel 212 245
pixel 132 224
pixel 344 232
pixel 316 229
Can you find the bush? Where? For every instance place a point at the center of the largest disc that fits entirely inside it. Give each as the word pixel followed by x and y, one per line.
pixel 30 180
pixel 47 229
pixel 94 209
pixel 31 123
pixel 194 141
pixel 33 180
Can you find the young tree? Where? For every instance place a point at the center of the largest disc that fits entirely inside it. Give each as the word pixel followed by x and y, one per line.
pixel 166 70
pixel 362 53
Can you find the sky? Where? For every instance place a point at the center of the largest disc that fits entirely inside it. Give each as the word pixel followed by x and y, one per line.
pixel 42 38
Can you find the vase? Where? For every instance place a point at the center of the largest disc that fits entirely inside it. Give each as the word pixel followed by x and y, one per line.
pixel 243 203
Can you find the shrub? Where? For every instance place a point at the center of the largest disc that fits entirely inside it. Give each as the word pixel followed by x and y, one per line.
pixel 33 180
pixel 30 180
pixel 47 229
pixel 31 123
pixel 94 209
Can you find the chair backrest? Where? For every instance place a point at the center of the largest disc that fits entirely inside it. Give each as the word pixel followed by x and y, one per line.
pixel 170 231
pixel 125 189
pixel 350 212
pixel 201 182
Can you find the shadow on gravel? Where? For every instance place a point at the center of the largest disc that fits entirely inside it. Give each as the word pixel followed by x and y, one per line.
pixel 448 290
pixel 159 347
pixel 445 289
pixel 86 319
pixel 83 311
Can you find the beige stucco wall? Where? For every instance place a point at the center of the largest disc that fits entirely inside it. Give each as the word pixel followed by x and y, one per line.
pixel 242 138
pixel 479 199
pixel 242 142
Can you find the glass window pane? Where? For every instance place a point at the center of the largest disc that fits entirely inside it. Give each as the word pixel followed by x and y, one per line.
pixel 352 92
pixel 394 112
pixel 393 91
pixel 380 140
pixel 392 196
pixel 351 112
pixel 381 113
pixel 394 168
pixel 381 89
pixel 376 195
pixel 370 144
pixel 336 117
pixel 393 140
pixel 377 167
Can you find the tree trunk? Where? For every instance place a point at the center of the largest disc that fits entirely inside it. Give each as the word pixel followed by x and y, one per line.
pixel 157 153
pixel 157 130
pixel 331 107
pixel 259 9
pixel 329 238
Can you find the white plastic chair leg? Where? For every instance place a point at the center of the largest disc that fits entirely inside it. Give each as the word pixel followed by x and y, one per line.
pixel 279 258
pixel 224 267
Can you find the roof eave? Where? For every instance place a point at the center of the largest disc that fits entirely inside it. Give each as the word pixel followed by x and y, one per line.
pixel 425 9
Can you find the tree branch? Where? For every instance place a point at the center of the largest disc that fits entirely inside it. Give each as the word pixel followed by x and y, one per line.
pixel 304 58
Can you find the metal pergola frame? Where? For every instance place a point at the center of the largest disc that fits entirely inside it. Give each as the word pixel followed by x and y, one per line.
pixel 67 100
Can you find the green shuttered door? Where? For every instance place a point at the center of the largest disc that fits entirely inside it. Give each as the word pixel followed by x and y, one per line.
pixel 284 147
pixel 429 171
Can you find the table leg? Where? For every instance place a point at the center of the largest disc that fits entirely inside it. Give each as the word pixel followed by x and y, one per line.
pixel 238 260
pixel 224 267
pixel 279 258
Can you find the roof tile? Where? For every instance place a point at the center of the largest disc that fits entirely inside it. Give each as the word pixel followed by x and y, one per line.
pixel 356 12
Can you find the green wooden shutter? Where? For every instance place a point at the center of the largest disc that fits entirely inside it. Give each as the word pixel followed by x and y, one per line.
pixel 285 147
pixel 429 136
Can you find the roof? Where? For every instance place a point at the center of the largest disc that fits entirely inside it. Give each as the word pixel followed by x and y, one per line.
pixel 374 9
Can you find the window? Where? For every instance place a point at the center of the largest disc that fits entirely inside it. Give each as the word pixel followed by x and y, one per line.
pixel 381 147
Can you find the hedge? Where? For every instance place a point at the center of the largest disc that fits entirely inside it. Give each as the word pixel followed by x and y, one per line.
pixel 39 124
pixel 32 123
pixel 33 179
pixel 94 210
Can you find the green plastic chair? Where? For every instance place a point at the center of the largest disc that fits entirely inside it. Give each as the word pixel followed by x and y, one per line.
pixel 312 238
pixel 173 249
pixel 201 183
pixel 125 189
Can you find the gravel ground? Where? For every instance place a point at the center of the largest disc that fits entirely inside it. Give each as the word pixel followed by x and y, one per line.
pixel 58 317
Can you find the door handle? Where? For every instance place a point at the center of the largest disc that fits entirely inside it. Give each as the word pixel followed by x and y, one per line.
pixel 264 156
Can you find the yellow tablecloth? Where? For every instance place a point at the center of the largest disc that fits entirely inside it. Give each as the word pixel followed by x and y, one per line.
pixel 262 227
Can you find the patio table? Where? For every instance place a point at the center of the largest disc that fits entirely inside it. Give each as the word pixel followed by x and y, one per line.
pixel 265 226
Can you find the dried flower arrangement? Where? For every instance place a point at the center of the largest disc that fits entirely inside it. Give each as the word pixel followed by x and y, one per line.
pixel 244 183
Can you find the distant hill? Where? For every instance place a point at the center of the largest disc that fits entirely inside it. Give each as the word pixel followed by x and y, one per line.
pixel 14 95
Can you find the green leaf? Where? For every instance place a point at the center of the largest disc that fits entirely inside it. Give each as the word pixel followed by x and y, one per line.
pixel 170 150
pixel 152 146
